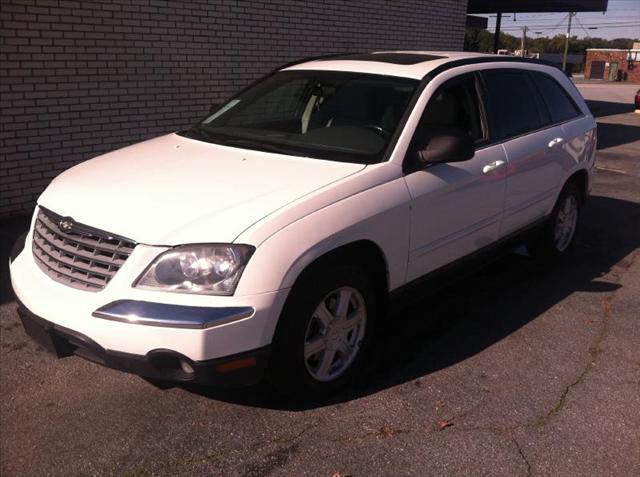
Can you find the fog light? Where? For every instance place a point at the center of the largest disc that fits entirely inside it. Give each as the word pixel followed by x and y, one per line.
pixel 186 367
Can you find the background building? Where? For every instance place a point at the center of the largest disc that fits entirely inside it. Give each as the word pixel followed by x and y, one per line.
pixel 78 79
pixel 614 64
pixel 575 62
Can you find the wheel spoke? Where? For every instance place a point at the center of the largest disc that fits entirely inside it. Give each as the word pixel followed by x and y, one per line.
pixel 568 205
pixel 353 321
pixel 344 349
pixel 326 362
pixel 314 347
pixel 323 315
pixel 561 216
pixel 342 307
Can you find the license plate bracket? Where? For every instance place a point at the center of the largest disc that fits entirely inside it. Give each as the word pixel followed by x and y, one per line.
pixel 46 336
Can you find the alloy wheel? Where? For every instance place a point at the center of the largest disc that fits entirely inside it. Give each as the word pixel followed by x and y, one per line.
pixel 334 333
pixel 565 224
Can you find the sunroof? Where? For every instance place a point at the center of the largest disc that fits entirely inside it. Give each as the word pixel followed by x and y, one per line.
pixel 395 58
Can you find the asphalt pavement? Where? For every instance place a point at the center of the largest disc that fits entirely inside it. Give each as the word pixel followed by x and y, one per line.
pixel 521 369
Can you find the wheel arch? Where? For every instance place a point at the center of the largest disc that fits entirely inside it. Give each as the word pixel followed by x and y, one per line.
pixel 363 252
pixel 581 180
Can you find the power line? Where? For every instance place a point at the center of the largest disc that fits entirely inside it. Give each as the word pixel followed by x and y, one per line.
pixel 598 25
pixel 586 32
pixel 547 26
pixel 558 25
pixel 588 18
pixel 597 28
pixel 630 22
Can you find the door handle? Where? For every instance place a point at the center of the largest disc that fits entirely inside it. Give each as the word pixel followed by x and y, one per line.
pixel 492 167
pixel 556 141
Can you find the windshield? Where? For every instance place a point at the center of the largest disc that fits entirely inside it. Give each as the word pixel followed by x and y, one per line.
pixel 333 115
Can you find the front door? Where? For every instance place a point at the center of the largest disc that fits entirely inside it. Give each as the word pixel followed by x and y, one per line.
pixel 456 207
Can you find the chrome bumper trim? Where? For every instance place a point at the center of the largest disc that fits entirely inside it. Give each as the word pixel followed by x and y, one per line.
pixel 171 316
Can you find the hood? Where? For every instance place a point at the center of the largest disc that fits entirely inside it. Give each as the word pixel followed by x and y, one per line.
pixel 173 190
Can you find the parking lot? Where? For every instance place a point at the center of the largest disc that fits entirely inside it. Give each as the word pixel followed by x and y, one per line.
pixel 520 369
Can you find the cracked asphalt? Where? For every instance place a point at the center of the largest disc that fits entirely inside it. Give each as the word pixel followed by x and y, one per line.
pixel 520 369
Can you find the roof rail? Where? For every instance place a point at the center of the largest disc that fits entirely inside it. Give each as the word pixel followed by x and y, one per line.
pixel 486 59
pixel 310 58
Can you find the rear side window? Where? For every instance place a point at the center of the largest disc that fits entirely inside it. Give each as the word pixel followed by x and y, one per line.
pixel 561 107
pixel 514 107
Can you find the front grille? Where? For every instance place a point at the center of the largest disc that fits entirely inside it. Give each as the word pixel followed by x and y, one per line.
pixel 82 257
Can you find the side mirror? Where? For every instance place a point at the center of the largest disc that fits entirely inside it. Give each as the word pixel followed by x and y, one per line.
pixel 451 146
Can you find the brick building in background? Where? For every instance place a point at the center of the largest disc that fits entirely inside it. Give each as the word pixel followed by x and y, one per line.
pixel 613 64
pixel 81 78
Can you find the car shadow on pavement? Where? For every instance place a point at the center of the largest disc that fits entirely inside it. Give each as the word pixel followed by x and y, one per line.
pixel 442 329
pixel 610 135
pixel 609 108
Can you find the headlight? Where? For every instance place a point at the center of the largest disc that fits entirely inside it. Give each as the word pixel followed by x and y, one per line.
pixel 203 269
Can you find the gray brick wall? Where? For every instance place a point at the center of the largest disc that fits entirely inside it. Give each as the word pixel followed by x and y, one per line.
pixel 78 78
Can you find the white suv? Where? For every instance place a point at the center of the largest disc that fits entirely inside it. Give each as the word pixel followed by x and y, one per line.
pixel 266 239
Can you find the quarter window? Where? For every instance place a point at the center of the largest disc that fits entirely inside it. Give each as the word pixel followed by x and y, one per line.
pixel 560 105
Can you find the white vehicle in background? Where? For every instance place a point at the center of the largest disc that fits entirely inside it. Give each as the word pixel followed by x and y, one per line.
pixel 265 240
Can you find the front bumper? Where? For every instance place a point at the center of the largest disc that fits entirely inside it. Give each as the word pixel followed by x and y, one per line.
pixel 133 329
pixel 238 370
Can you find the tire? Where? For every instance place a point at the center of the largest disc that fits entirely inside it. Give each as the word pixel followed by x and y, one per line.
pixel 558 234
pixel 301 366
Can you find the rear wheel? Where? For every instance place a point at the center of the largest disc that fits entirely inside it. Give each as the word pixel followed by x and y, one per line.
pixel 324 332
pixel 559 232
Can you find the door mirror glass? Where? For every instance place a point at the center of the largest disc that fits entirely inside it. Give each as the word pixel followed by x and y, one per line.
pixel 447 146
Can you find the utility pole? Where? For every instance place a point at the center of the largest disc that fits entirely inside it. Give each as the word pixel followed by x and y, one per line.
pixel 496 37
pixel 566 43
pixel 523 41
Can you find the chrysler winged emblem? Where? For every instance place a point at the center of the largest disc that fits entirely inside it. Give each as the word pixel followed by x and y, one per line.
pixel 66 224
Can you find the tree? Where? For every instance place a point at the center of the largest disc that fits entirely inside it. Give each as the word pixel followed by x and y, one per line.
pixel 476 39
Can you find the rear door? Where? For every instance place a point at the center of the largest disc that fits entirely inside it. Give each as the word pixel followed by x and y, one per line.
pixel 532 144
pixel 569 122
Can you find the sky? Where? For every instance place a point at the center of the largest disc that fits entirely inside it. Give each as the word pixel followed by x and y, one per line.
pixel 621 20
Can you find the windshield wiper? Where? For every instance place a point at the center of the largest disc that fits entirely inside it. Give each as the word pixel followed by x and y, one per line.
pixel 199 132
pixel 252 144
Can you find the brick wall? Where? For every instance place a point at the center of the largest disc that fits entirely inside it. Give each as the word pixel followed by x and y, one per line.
pixel 632 75
pixel 81 78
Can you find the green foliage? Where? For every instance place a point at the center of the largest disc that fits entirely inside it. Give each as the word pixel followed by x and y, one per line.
pixel 477 39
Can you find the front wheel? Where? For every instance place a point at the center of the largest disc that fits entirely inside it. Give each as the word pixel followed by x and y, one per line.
pixel 324 332
pixel 559 232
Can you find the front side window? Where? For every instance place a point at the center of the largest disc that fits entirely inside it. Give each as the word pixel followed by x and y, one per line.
pixel 333 115
pixel 455 105
pixel 561 107
pixel 514 107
